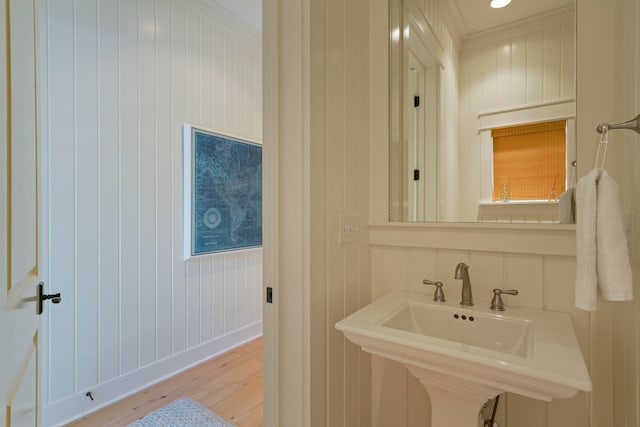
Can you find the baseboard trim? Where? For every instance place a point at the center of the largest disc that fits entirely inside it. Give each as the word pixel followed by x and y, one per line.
pixel 79 405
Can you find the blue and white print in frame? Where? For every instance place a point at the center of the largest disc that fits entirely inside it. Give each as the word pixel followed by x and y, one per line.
pixel 222 192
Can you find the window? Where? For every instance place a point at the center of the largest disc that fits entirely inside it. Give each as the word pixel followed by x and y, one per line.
pixel 529 161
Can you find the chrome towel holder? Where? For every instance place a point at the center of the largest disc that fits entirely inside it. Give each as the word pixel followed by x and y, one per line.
pixel 633 124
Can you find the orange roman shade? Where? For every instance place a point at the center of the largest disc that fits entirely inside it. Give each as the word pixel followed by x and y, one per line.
pixel 529 161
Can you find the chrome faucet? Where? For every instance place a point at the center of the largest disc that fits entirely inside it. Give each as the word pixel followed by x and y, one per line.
pixel 462 273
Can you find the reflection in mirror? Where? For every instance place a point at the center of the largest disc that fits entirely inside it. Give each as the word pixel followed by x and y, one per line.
pixel 462 73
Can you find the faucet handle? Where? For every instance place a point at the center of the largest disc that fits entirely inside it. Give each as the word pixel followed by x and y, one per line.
pixel 438 296
pixel 497 303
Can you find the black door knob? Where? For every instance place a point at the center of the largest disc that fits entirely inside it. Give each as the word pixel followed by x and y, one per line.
pixel 42 297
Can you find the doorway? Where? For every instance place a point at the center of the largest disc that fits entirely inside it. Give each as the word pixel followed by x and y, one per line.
pixel 121 80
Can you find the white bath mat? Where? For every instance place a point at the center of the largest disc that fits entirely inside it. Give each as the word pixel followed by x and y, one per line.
pixel 183 412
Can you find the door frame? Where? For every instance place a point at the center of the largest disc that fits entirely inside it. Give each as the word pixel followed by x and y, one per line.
pixel 286 262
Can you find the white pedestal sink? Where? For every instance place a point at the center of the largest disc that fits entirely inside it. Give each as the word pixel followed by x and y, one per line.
pixel 464 356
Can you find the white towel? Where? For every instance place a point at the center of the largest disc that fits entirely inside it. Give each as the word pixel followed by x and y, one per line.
pixel 567 207
pixel 601 246
pixel 586 276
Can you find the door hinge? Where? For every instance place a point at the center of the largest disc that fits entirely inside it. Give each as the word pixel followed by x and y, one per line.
pixel 269 295
pixel 416 174
pixel 416 101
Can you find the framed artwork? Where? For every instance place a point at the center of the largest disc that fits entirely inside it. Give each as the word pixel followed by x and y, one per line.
pixel 222 192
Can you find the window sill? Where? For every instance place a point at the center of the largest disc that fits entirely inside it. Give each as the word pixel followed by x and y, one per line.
pixel 519 203
pixel 520 211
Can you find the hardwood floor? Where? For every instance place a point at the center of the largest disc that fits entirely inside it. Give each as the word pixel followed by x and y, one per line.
pixel 230 385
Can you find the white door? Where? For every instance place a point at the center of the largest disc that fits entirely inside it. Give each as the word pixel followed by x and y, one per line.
pixel 20 254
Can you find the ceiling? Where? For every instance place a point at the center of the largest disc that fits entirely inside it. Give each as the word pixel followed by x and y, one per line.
pixel 478 16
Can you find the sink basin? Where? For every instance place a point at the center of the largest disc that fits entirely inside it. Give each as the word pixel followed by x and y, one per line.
pixel 501 333
pixel 467 355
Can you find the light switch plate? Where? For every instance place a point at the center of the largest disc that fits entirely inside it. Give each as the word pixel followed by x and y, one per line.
pixel 348 229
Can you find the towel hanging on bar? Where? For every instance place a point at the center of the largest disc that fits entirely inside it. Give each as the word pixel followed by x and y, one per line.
pixel 602 260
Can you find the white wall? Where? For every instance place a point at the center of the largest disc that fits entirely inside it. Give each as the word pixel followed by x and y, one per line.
pixel 120 79
pixel 339 273
pixel 625 147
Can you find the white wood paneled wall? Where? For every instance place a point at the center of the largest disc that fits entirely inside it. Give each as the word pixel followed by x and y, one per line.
pixel 528 64
pixel 339 272
pixel 626 149
pixel 121 79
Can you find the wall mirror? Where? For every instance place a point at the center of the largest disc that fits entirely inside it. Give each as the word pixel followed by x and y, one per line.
pixel 463 76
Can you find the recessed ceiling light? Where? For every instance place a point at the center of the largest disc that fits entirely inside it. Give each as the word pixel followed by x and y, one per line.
pixel 496 4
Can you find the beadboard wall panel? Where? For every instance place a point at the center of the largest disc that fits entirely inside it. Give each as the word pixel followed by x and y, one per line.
pixel 626 319
pixel 123 77
pixel 338 171
pixel 522 65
